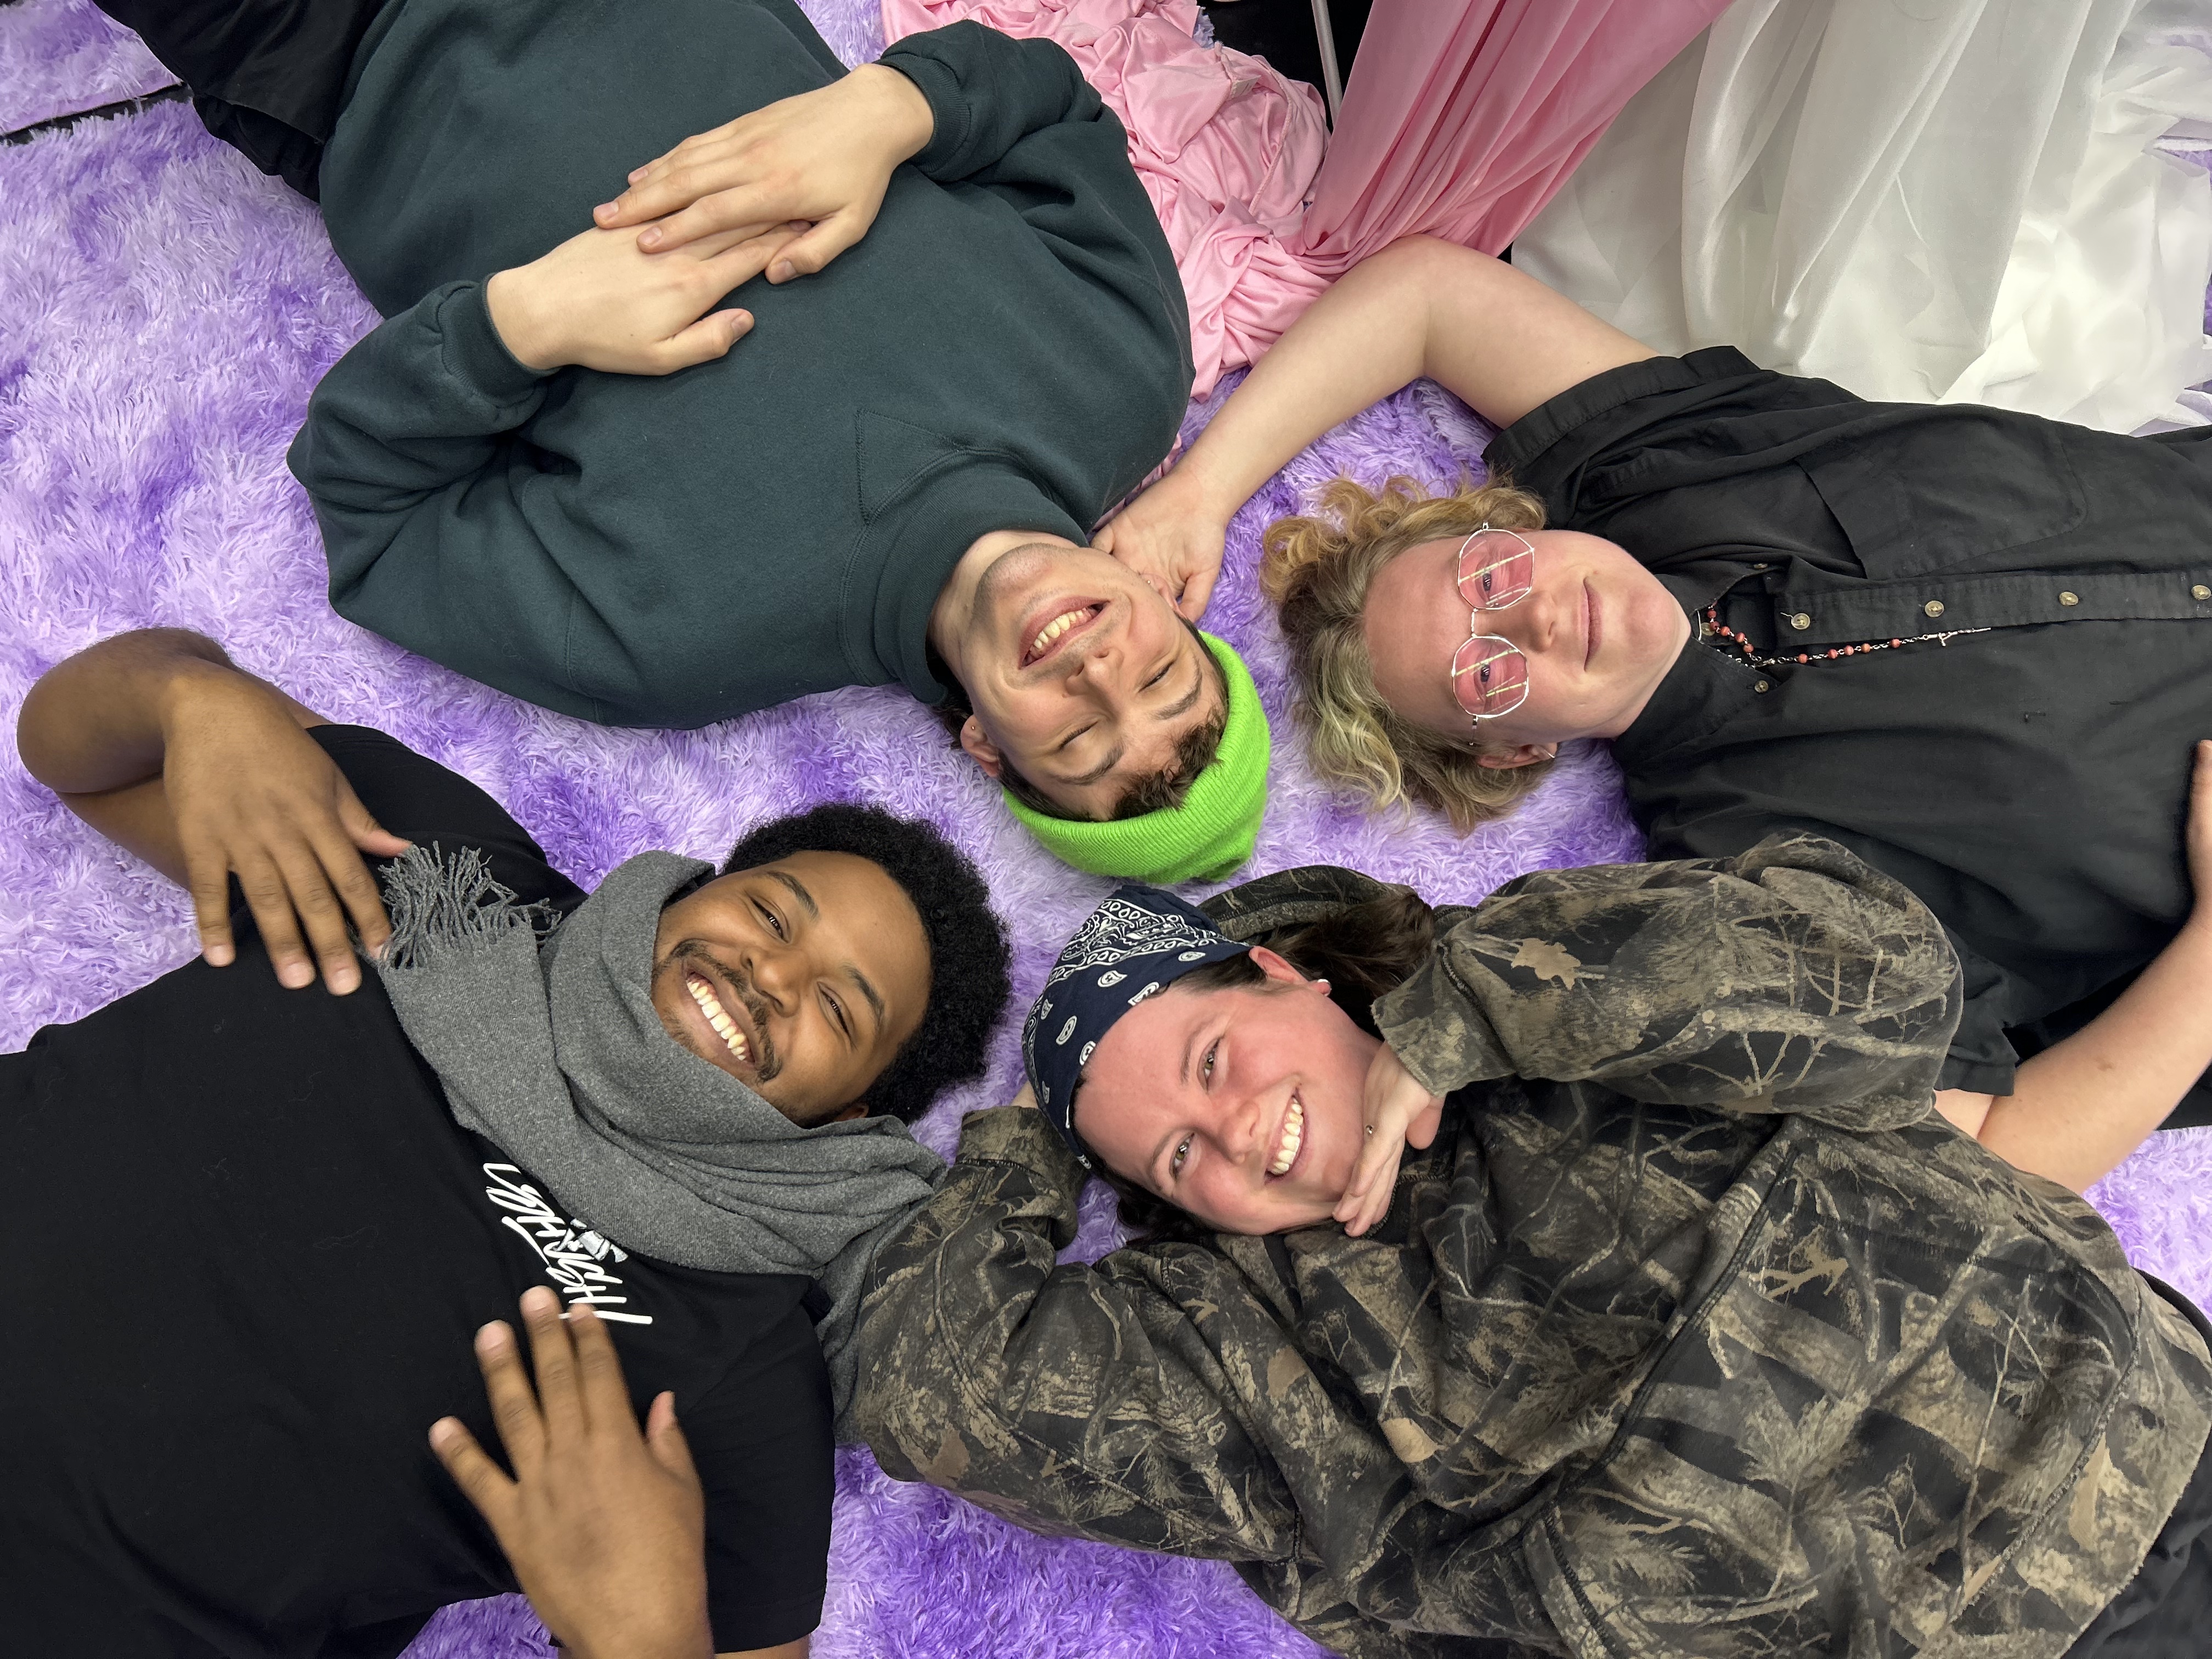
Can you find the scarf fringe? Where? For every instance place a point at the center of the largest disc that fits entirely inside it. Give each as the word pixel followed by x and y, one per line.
pixel 440 907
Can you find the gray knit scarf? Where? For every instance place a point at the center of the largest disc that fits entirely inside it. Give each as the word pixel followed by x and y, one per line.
pixel 553 1051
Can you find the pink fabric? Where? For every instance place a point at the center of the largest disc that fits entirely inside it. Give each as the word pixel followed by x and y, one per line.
pixel 1461 120
pixel 1226 149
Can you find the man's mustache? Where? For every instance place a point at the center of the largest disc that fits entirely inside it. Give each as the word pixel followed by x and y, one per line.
pixel 767 1061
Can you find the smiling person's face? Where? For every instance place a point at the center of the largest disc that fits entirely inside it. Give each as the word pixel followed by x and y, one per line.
pixel 801 979
pixel 1243 1106
pixel 1599 630
pixel 1081 676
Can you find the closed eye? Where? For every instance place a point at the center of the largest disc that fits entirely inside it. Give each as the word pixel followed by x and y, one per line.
pixel 1068 742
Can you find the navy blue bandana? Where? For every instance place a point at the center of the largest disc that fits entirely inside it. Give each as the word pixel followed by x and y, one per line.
pixel 1136 944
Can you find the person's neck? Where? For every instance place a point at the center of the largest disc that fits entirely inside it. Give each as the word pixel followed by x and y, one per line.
pixel 956 601
pixel 1634 711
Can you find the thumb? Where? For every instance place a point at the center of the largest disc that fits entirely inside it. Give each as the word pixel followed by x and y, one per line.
pixel 365 832
pixel 663 1437
pixel 818 246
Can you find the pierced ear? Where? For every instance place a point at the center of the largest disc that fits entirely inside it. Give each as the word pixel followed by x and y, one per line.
pixel 1524 754
pixel 979 748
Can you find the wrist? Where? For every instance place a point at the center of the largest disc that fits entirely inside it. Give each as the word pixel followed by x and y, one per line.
pixel 511 298
pixel 188 686
pixel 905 116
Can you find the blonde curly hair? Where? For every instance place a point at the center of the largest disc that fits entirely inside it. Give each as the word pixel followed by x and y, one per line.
pixel 1317 569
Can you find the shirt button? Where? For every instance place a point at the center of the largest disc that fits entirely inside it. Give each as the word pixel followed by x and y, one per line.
pixel 1760 686
pixel 2070 598
pixel 1933 608
pixel 2200 592
pixel 1801 621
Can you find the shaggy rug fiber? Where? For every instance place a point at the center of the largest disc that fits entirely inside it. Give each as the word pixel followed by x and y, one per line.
pixel 164 311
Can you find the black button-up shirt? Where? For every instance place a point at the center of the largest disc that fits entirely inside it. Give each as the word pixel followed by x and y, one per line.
pixel 2022 762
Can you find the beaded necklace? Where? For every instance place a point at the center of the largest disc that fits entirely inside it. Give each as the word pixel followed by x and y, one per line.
pixel 1713 626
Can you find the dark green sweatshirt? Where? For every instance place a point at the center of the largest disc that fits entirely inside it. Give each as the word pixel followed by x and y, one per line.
pixel 1006 348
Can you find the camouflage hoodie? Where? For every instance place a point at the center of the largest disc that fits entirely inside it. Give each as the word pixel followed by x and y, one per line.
pixel 1713 1341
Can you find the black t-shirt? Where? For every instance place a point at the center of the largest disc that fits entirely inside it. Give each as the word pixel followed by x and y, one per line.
pixel 2028 778
pixel 251 1250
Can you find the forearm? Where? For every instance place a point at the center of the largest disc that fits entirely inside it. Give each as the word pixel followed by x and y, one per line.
pixel 417 406
pixel 1793 978
pixel 2083 1104
pixel 1498 339
pixel 1069 1396
pixel 985 93
pixel 96 721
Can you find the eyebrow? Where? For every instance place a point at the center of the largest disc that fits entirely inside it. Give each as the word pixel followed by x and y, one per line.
pixel 798 891
pixel 1174 711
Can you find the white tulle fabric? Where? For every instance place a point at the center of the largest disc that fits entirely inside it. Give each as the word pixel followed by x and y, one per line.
pixel 1923 200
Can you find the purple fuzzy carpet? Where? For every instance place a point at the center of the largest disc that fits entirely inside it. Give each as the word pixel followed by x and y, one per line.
pixel 164 311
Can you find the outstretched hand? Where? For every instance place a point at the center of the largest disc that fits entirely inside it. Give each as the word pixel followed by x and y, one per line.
pixel 1400 1113
pixel 600 301
pixel 1169 534
pixel 605 1527
pixel 252 794
pixel 825 156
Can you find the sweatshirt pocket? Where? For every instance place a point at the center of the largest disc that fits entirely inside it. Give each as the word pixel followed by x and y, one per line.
pixel 1896 1381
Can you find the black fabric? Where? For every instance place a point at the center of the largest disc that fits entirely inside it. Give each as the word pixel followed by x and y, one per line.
pixel 2167 1608
pixel 268 76
pixel 251 1250
pixel 2028 782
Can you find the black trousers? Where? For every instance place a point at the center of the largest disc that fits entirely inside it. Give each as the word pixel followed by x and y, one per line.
pixel 2166 1611
pixel 267 76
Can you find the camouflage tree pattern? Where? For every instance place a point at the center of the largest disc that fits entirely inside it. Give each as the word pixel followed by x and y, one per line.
pixel 1696 1333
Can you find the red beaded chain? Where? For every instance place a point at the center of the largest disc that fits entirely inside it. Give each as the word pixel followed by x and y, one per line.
pixel 1713 626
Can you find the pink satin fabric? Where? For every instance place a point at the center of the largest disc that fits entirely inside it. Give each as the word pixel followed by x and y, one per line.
pixel 1226 149
pixel 1461 120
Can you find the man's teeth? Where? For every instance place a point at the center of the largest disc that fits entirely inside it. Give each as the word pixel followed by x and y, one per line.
pixel 1294 1133
pixel 1052 630
pixel 725 1027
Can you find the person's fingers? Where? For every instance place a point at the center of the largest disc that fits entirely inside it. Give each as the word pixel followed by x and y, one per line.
pixel 598 1369
pixel 1198 592
pixel 553 1359
pixel 818 246
pixel 322 917
pixel 739 261
pixel 362 829
pixel 1372 1156
pixel 663 1437
pixel 207 878
pixel 269 899
pixel 514 1411
pixel 482 1482
pixel 1421 1133
pixel 683 220
pixel 710 337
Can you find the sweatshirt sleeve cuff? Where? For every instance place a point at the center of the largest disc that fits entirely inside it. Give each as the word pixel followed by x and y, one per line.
pixel 948 109
pixel 474 354
pixel 1020 1135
